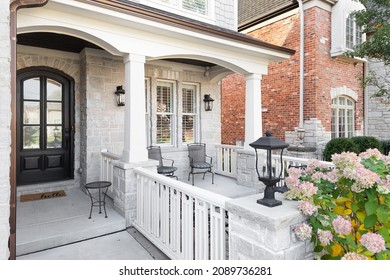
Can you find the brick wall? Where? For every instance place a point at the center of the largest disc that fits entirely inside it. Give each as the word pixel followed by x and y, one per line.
pixel 280 88
pixel 5 133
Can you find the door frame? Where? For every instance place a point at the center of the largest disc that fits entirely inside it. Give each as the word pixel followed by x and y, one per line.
pixel 71 99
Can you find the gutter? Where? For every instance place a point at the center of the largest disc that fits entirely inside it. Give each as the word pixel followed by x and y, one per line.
pixel 301 63
pixel 14 7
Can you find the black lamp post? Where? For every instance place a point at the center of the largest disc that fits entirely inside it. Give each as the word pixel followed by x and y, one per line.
pixel 208 102
pixel 120 96
pixel 269 176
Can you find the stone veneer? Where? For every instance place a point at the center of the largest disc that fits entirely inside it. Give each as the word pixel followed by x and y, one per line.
pixel 378 112
pixel 5 132
pixel 258 232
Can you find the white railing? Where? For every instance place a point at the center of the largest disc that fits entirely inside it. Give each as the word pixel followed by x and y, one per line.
pixel 183 221
pixel 287 162
pixel 227 160
pixel 107 169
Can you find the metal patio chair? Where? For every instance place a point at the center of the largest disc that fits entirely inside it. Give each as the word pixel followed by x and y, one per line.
pixel 197 156
pixel 154 152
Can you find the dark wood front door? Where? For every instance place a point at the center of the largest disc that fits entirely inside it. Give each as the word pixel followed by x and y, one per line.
pixel 45 126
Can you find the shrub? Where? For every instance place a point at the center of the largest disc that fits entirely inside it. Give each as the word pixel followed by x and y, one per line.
pixel 337 146
pixel 386 147
pixel 348 206
pixel 366 142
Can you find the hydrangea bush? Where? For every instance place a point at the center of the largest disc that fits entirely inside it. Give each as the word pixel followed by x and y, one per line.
pixel 348 205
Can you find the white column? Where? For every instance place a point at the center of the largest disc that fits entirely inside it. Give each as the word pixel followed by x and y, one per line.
pixel 134 149
pixel 253 122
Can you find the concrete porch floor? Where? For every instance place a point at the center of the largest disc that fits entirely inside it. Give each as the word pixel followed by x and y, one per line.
pixel 59 228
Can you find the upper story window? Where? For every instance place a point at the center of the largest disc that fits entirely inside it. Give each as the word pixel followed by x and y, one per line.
pixel 343 117
pixel 345 32
pixel 353 33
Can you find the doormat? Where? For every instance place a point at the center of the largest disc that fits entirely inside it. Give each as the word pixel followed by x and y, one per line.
pixel 39 196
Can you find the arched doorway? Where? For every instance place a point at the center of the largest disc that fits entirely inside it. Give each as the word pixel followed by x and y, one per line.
pixel 45 126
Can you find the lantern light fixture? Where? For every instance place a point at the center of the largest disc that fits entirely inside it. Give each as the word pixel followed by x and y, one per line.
pixel 120 96
pixel 270 175
pixel 208 102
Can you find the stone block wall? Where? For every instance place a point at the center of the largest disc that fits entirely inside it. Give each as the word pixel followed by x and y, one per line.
pixel 246 171
pixel 378 117
pixel 5 132
pixel 258 232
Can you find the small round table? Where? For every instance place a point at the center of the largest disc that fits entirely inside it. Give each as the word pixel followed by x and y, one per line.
pixel 101 187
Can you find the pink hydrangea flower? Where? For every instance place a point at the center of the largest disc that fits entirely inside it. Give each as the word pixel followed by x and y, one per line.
pixel 346 162
pixel 384 185
pixel 353 256
pixel 303 231
pixel 292 182
pixel 341 225
pixel 375 153
pixel 317 176
pixel 325 237
pixel 307 189
pixel 294 172
pixel 332 176
pixel 364 179
pixel 373 242
pixel 306 207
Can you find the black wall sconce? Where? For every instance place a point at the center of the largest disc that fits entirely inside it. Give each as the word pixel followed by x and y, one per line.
pixel 120 96
pixel 208 102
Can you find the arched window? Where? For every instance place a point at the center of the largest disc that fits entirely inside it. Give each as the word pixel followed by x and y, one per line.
pixel 343 117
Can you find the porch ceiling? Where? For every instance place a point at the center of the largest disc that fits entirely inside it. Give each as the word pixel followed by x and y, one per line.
pixel 123 32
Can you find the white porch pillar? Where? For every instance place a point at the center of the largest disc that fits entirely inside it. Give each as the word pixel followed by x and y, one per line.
pixel 253 120
pixel 134 149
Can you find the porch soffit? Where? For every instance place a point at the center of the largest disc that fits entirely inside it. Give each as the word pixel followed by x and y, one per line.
pixel 121 33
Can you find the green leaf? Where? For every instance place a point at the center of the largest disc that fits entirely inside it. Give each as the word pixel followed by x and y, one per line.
pixel 370 207
pixel 355 207
pixel 385 234
pixel 361 216
pixel 370 221
pixel 383 214
pixel 318 249
pixel 326 257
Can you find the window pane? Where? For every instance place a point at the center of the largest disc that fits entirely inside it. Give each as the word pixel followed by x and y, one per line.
pixel 188 129
pixel 164 132
pixel 54 137
pixel 359 37
pixel 164 98
pixel 54 113
pixel 54 90
pixel 31 137
pixel 31 89
pixel 189 100
pixel 342 123
pixel 341 100
pixel 333 124
pixel 350 122
pixel 349 32
pixel 197 6
pixel 31 112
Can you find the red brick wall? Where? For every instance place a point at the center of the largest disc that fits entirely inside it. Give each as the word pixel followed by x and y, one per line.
pixel 280 88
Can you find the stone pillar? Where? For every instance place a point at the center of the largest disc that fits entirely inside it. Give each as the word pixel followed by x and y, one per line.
pixel 125 188
pixel 257 232
pixel 246 170
pixel 134 149
pixel 253 122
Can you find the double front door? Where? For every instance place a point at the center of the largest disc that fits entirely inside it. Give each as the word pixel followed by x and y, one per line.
pixel 45 126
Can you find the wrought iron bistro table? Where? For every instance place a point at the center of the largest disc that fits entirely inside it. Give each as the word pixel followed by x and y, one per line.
pixel 101 187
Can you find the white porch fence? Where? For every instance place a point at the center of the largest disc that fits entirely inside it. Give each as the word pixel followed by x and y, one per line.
pixel 226 160
pixel 107 169
pixel 183 221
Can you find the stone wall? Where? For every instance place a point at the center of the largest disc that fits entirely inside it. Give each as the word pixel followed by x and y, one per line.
pixel 226 14
pixel 378 118
pixel 5 132
pixel 258 232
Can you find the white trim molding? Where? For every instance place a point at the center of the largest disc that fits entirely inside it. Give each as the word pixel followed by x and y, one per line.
pixel 344 90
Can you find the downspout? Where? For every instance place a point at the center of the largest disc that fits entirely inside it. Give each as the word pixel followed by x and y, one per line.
pixel 301 62
pixel 365 100
pixel 14 7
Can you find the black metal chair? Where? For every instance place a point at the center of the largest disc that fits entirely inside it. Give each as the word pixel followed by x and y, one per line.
pixel 197 156
pixel 154 152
